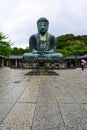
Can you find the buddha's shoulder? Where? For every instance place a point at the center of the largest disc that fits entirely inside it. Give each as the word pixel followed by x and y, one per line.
pixel 34 35
pixel 51 35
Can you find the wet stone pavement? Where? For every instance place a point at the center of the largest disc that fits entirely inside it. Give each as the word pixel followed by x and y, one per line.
pixel 43 102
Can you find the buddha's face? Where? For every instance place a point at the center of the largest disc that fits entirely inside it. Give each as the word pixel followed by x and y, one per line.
pixel 42 27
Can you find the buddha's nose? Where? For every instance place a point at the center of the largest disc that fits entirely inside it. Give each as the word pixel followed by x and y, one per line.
pixel 42 27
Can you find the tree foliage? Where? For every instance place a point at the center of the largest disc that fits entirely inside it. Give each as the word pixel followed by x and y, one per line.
pixel 72 45
pixel 5 46
pixel 6 49
pixel 19 51
pixel 66 44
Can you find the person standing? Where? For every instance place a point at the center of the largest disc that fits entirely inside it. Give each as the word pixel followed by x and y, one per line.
pixel 83 62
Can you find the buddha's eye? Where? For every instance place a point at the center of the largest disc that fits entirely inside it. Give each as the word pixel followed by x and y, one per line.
pixel 44 25
pixel 40 25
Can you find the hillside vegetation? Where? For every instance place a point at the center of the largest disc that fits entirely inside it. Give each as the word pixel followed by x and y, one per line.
pixel 66 44
pixel 72 45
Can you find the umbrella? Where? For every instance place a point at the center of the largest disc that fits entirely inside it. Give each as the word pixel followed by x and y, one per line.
pixel 83 61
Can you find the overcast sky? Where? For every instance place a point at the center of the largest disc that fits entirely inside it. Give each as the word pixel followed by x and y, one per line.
pixel 18 18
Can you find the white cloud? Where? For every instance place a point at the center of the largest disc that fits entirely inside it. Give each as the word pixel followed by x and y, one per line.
pixel 18 18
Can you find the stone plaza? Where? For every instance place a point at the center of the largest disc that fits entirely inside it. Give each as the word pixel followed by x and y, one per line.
pixel 43 102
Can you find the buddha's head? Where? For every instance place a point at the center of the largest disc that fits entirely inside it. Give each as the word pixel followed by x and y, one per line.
pixel 42 25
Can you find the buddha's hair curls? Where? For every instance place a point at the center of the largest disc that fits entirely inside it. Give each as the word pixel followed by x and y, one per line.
pixel 43 19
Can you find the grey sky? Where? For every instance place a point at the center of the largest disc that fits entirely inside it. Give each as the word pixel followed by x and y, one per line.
pixel 18 18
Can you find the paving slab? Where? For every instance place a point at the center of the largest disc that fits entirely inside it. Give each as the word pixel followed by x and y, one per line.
pixel 43 102
pixel 74 117
pixel 62 96
pixel 20 118
pixel 4 110
pixel 31 92
pixel 47 117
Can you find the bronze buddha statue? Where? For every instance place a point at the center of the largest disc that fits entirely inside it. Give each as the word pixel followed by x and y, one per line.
pixel 42 44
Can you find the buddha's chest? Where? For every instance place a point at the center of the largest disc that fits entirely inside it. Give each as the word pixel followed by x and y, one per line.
pixel 43 46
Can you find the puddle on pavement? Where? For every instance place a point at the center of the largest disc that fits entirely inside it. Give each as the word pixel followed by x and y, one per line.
pixel 18 81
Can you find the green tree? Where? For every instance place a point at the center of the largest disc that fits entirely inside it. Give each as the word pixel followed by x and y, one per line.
pixel 72 45
pixel 19 51
pixel 5 46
